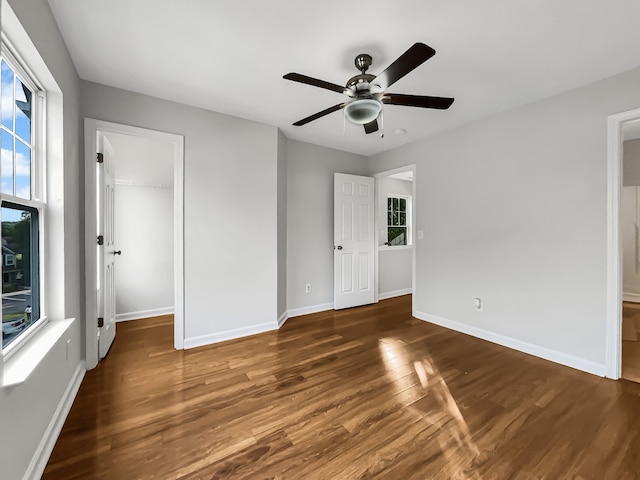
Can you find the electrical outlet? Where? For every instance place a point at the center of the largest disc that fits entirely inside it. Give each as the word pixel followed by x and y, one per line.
pixel 477 302
pixel 307 288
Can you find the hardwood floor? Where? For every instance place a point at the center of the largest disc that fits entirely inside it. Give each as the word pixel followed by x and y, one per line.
pixel 631 341
pixel 363 393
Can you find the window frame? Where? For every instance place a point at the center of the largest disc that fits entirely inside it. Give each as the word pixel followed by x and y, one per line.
pixel 37 202
pixel 407 222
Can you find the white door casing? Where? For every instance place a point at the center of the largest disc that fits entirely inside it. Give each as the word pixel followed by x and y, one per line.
pixel 106 295
pixel 354 240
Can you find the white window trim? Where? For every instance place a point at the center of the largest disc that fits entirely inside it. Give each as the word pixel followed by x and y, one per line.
pixel 23 362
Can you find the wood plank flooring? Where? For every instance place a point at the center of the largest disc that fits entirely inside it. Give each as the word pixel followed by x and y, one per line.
pixel 362 393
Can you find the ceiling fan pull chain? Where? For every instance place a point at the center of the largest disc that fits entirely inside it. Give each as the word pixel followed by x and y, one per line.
pixel 382 124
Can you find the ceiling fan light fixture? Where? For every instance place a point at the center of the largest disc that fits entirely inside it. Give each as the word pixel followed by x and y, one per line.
pixel 363 110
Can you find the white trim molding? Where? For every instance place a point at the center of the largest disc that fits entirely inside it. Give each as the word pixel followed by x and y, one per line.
pixel 45 447
pixel 395 293
pixel 631 297
pixel 613 338
pixel 297 312
pixel 154 312
pixel 204 340
pixel 283 318
pixel 515 344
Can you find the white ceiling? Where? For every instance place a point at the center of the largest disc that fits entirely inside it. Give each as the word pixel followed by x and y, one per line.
pixel 226 56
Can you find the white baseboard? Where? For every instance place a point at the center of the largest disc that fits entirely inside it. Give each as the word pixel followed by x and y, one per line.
pixel 631 297
pixel 283 318
pixel 530 348
pixel 296 312
pixel 202 340
pixel 45 447
pixel 395 293
pixel 154 312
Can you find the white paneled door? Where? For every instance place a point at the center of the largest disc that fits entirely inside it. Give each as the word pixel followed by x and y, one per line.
pixel 354 242
pixel 106 246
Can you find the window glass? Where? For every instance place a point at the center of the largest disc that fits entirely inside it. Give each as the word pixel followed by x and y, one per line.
pixel 20 302
pixel 23 170
pixel 23 111
pixel 6 90
pixel 397 231
pixel 7 162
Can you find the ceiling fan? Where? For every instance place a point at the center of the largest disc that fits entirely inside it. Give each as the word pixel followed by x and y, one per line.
pixel 367 92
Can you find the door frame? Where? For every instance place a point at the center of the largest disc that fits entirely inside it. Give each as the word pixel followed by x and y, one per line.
pixel 414 231
pixel 613 346
pixel 91 129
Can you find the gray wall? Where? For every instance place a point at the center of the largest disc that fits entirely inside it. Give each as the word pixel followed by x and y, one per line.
pixel 230 209
pixel 394 263
pixel 310 219
pixel 28 409
pixel 143 226
pixel 282 224
pixel 513 209
pixel 631 163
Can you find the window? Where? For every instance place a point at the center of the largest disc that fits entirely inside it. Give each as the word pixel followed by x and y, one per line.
pixel 22 207
pixel 397 217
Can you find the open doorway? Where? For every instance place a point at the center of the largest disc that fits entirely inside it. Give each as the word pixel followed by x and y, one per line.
pixel 142 181
pixel 144 222
pixel 630 236
pixel 396 233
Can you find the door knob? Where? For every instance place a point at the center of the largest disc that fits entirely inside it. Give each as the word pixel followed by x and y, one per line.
pixel 117 252
pixel 339 247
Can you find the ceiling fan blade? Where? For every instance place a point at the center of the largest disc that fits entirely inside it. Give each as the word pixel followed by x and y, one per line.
pixel 297 77
pixel 441 103
pixel 371 126
pixel 318 115
pixel 417 54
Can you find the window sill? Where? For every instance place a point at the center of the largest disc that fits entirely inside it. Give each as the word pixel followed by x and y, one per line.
pixel 395 247
pixel 25 361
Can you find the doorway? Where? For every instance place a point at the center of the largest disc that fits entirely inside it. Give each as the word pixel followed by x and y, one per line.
pixel 616 126
pixel 630 236
pixel 396 234
pixel 146 182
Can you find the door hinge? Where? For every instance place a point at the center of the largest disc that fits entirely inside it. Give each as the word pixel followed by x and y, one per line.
pixel 100 158
pixel 100 322
pixel 100 240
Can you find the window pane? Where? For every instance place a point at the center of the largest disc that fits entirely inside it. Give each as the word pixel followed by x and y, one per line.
pixel 397 236
pixel 7 96
pixel 403 204
pixel 403 218
pixel 23 111
pixel 20 301
pixel 389 203
pixel 23 170
pixel 395 204
pixel 389 218
pixel 7 163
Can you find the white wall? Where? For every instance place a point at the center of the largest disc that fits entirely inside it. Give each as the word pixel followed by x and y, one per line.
pixel 513 208
pixel 394 263
pixel 230 210
pixel 143 226
pixel 310 171
pixel 30 412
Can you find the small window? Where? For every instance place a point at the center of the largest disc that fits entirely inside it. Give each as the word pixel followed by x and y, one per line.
pixel 21 210
pixel 397 217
